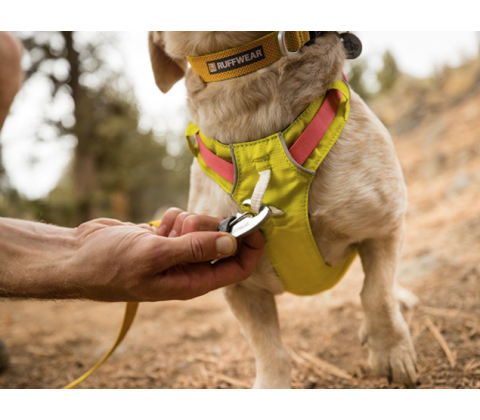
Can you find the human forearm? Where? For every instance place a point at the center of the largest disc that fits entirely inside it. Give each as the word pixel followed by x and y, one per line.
pixel 34 259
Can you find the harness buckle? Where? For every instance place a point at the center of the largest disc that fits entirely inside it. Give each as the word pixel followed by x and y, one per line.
pixel 283 44
pixel 243 224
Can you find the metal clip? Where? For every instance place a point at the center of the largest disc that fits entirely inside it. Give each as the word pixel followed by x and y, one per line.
pixel 243 224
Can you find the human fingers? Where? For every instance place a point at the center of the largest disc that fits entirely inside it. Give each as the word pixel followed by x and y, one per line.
pixel 168 220
pixel 200 223
pixel 186 222
pixel 242 265
pixel 178 224
pixel 186 281
pixel 199 247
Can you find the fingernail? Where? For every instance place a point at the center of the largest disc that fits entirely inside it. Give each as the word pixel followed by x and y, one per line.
pixel 162 230
pixel 226 245
pixel 173 234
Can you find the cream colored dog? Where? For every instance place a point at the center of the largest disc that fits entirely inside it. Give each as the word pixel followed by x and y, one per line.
pixel 358 195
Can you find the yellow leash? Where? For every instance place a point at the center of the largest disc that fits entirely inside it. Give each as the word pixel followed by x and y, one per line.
pixel 128 318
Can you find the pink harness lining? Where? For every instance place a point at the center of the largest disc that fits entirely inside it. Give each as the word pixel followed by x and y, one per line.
pixel 222 167
pixel 313 134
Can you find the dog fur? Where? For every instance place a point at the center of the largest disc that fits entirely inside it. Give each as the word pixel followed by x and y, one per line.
pixel 358 196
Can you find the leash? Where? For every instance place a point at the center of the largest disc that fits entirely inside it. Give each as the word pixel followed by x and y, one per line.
pixel 128 318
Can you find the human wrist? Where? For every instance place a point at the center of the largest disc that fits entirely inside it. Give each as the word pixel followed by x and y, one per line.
pixel 35 260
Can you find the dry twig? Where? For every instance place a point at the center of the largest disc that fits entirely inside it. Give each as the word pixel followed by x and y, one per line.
pixel 302 362
pixel 318 365
pixel 232 381
pixel 471 365
pixel 448 313
pixel 439 337
pixel 327 367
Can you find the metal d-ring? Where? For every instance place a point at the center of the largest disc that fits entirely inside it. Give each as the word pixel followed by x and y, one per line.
pixel 282 43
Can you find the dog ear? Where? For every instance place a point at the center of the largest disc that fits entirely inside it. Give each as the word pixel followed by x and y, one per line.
pixel 166 70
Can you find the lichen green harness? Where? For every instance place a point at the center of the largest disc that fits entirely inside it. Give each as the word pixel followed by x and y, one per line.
pixel 278 171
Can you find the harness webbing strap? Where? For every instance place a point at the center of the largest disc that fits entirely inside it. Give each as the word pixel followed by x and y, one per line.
pixel 222 167
pixel 315 131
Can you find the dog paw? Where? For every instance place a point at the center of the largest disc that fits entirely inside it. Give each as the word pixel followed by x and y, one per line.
pixel 391 354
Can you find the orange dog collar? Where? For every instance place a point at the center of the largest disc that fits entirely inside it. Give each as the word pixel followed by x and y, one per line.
pixel 250 57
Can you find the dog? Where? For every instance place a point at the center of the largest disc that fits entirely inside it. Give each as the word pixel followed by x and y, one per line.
pixel 357 197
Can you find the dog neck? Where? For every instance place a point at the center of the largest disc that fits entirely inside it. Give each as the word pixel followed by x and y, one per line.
pixel 266 101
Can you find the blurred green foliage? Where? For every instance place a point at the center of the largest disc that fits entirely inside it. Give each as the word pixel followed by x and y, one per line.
pixel 356 78
pixel 386 77
pixel 133 173
pixel 389 73
pixel 117 170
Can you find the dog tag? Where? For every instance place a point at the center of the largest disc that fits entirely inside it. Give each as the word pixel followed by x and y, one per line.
pixel 352 45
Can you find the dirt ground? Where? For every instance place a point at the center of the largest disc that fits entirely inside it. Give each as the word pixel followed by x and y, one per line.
pixel 198 344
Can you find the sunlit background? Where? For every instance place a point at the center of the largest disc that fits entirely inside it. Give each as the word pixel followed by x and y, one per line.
pixel 38 144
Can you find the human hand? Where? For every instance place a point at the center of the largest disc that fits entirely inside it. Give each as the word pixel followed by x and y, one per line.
pixel 118 261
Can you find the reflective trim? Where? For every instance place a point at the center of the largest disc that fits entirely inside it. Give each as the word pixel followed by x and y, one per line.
pixel 192 143
pixel 235 171
pixel 287 152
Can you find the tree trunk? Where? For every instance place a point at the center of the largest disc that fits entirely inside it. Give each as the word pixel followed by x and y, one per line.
pixel 85 166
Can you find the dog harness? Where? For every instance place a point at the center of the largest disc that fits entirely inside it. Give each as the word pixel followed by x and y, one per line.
pixel 277 171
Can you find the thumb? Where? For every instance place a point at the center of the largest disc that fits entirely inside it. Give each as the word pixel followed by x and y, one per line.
pixel 201 246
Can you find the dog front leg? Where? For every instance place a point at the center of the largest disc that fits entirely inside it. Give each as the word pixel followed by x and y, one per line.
pixel 257 313
pixel 391 351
